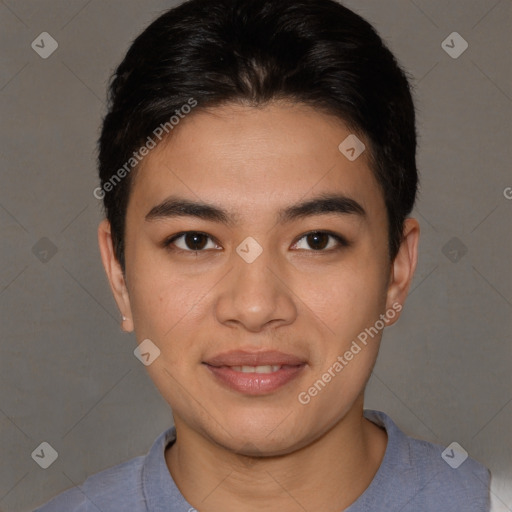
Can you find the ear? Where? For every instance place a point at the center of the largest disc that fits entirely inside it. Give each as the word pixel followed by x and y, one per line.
pixel 115 274
pixel 403 267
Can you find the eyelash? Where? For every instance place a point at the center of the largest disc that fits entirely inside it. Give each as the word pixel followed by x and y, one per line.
pixel 169 242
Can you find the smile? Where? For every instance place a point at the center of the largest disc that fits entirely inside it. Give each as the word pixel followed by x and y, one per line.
pixel 255 380
pixel 257 369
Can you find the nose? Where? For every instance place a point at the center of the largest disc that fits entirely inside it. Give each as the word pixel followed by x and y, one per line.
pixel 256 295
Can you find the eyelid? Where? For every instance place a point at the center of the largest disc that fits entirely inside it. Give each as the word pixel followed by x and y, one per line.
pixel 168 243
pixel 341 240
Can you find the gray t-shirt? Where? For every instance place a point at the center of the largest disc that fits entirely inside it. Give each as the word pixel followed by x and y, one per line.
pixel 413 477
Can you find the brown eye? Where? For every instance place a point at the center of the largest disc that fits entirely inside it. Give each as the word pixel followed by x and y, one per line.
pixel 191 241
pixel 321 241
pixel 318 241
pixel 195 241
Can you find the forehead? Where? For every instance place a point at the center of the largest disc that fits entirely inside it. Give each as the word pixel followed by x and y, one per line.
pixel 250 158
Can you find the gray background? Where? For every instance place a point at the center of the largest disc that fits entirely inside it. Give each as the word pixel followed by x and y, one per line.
pixel 68 375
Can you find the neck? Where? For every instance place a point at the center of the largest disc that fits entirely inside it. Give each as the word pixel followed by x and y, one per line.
pixel 341 463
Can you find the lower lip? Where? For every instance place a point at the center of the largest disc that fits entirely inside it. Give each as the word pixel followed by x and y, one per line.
pixel 255 383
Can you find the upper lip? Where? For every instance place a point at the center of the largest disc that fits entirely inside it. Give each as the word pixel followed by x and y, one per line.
pixel 251 358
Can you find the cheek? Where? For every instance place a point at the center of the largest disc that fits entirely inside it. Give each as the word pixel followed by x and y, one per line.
pixel 347 298
pixel 164 302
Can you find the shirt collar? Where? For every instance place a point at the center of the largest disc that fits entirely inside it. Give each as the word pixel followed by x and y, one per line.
pixel 160 491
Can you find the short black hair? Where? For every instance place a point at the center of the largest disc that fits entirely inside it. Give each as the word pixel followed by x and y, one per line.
pixel 207 53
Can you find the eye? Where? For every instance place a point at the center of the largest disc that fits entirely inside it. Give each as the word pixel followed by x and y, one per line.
pixel 321 241
pixel 190 241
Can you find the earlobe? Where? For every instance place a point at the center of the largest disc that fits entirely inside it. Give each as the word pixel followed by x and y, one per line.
pixel 404 265
pixel 115 274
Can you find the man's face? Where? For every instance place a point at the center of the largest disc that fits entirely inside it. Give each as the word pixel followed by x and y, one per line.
pixel 256 278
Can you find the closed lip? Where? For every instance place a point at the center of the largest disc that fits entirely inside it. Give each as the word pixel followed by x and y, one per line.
pixel 252 358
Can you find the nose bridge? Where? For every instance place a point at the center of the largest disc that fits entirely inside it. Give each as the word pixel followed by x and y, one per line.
pixel 254 295
pixel 253 287
pixel 253 275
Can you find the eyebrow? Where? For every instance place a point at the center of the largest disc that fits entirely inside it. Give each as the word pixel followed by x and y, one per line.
pixel 320 205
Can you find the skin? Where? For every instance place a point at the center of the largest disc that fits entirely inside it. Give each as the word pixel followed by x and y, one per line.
pixel 234 451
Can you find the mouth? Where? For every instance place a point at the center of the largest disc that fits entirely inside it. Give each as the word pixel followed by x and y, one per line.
pixel 255 373
pixel 259 369
pixel 254 359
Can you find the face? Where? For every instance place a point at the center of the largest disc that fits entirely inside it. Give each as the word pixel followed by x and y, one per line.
pixel 253 241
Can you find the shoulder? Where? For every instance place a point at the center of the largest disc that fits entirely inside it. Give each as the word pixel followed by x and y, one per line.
pixel 127 486
pixel 431 476
pixel 107 491
pixel 450 474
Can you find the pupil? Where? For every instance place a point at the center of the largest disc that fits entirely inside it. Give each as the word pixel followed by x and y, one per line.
pixel 193 241
pixel 318 241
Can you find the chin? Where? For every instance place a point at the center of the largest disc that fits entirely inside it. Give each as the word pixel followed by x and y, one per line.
pixel 255 435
